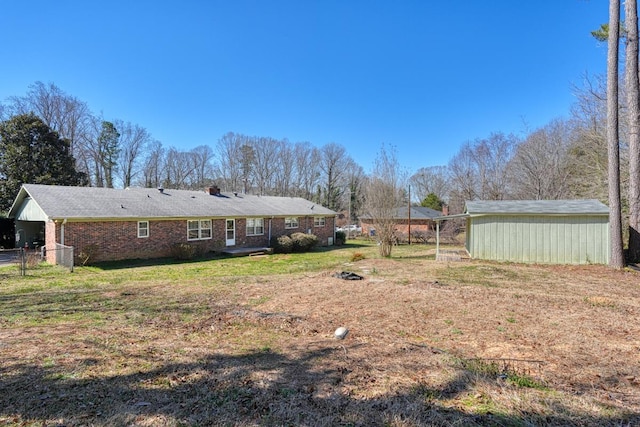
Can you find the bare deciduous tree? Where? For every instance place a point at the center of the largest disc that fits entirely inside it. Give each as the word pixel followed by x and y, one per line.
pixel 492 156
pixel 229 161
pixel 247 163
pixel 265 158
pixel 480 170
pixel 462 169
pixel 307 170
pixel 431 180
pixel 384 194
pixel 202 157
pixel 333 163
pixel 588 152
pixel 153 165
pixel 285 168
pixel 133 141
pixel 540 168
pixel 354 192
pixel 179 169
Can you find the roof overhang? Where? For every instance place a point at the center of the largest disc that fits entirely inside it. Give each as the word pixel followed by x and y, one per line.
pixel 446 217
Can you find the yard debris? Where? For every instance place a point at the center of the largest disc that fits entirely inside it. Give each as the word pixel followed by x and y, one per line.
pixel 347 275
pixel 341 332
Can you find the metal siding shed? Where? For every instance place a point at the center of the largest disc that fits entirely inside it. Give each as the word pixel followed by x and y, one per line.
pixel 538 231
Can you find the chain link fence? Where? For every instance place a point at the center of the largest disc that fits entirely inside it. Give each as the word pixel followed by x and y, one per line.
pixel 64 256
pixel 13 261
pixel 17 261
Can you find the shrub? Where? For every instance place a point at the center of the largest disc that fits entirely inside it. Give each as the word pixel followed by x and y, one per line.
pixel 303 242
pixel 88 254
pixel 357 256
pixel 33 259
pixel 282 244
pixel 423 236
pixel 183 251
pixel 341 238
pixel 400 238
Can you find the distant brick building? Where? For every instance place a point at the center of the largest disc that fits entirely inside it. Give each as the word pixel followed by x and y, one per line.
pixel 418 219
pixel 147 223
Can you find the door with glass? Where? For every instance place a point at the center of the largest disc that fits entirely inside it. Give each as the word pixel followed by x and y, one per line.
pixel 231 232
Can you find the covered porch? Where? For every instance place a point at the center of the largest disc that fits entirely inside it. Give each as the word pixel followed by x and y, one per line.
pixel 451 254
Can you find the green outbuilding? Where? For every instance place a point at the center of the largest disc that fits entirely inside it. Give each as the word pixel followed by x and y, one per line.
pixel 538 231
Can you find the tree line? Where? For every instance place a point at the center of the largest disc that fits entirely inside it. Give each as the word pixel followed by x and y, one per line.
pixel 566 158
pixel 117 153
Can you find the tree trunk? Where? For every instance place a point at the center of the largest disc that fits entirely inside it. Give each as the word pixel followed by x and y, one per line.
pixel 633 105
pixel 616 258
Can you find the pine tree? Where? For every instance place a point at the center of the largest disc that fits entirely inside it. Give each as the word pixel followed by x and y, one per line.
pixel 616 259
pixel 109 148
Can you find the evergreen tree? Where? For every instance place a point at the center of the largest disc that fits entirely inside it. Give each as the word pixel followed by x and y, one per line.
pixel 432 201
pixel 616 258
pixel 633 106
pixel 109 149
pixel 30 152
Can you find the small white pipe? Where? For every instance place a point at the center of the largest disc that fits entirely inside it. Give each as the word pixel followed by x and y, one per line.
pixel 64 221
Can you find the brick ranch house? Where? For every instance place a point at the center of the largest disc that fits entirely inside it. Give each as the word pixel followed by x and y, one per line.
pixel 146 223
pixel 418 219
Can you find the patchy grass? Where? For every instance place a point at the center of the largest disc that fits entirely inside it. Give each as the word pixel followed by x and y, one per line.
pixel 249 341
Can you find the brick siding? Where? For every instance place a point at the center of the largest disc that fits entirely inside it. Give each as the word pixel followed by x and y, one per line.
pixel 51 236
pixel 402 226
pixel 118 240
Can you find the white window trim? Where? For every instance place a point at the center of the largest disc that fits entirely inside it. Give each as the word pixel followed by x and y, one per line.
pixel 200 229
pixel 319 221
pixel 146 229
pixel 253 228
pixel 288 220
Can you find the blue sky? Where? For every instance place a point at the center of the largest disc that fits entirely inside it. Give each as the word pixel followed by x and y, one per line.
pixel 421 76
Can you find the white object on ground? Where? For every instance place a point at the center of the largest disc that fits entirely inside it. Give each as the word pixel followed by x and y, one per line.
pixel 341 332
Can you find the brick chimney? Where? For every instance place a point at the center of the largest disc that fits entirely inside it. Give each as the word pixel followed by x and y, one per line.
pixel 445 210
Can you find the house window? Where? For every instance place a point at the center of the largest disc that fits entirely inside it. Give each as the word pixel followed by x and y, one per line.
pixel 143 228
pixel 199 229
pixel 291 222
pixel 318 221
pixel 255 226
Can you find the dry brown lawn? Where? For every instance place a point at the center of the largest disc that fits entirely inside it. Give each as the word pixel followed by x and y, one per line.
pixel 469 343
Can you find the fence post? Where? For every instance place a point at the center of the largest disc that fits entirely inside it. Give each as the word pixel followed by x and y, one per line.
pixel 23 262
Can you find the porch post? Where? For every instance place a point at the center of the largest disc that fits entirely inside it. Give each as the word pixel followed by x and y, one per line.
pixel 437 240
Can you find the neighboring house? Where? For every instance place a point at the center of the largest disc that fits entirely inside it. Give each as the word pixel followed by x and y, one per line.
pixel 146 223
pixel 419 219
pixel 538 231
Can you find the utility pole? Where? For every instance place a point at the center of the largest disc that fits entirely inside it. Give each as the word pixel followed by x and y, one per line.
pixel 409 213
pixel 349 213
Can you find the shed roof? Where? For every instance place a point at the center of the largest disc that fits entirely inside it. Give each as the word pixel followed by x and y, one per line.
pixel 417 213
pixel 60 202
pixel 537 207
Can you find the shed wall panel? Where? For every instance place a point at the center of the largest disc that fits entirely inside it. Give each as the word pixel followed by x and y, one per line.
pixel 577 239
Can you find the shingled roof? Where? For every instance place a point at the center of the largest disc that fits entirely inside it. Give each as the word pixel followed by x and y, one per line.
pixel 537 207
pixel 417 213
pixel 92 203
